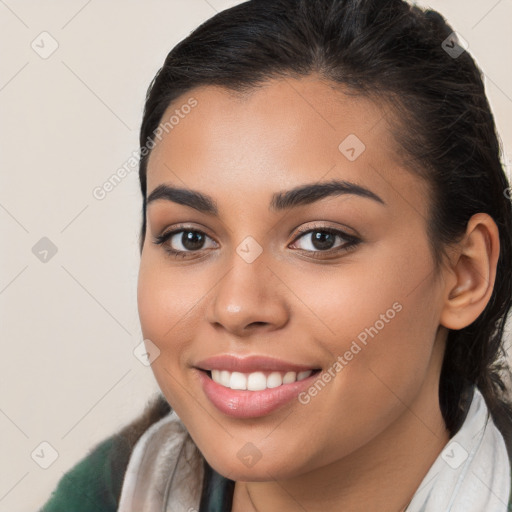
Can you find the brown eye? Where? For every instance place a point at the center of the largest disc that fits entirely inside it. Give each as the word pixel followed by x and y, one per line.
pixel 190 240
pixel 324 241
pixel 183 241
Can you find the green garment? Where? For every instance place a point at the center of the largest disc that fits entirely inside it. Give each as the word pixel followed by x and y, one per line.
pixel 94 483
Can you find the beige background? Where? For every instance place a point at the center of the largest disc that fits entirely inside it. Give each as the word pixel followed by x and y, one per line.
pixel 69 326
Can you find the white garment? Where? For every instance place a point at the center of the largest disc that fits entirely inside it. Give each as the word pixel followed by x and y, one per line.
pixel 164 466
pixel 471 474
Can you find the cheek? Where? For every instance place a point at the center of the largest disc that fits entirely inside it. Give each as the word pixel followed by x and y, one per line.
pixel 344 305
pixel 166 298
pixel 391 275
pixel 169 306
pixel 384 334
pixel 381 317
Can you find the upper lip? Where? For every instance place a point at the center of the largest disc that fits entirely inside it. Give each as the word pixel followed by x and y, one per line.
pixel 250 364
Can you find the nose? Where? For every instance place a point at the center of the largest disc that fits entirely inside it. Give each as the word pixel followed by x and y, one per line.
pixel 249 298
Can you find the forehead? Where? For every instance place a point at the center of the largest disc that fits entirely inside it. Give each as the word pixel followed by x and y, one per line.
pixel 286 132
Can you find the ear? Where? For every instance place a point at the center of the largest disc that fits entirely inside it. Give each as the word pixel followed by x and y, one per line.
pixel 470 278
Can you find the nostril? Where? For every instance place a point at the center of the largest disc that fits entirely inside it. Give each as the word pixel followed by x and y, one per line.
pixel 256 324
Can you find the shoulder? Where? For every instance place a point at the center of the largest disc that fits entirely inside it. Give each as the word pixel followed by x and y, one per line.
pixel 90 484
pixel 94 483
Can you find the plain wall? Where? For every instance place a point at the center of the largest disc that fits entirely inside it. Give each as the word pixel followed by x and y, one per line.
pixel 69 325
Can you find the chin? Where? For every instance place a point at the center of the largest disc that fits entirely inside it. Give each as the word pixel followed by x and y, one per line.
pixel 260 471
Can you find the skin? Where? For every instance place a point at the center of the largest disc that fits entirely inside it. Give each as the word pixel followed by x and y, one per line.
pixel 365 441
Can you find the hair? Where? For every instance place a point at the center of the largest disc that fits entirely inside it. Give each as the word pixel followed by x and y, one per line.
pixel 391 52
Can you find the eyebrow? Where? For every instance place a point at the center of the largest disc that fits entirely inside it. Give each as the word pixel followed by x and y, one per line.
pixel 298 196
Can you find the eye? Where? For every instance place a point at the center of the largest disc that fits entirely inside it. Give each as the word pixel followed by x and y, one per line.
pixel 326 240
pixel 184 241
pixel 318 241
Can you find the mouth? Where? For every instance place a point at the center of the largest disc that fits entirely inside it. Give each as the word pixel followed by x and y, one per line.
pixel 254 385
pixel 252 395
pixel 258 380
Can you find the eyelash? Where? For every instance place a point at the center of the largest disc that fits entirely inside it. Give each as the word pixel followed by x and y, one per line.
pixel 351 241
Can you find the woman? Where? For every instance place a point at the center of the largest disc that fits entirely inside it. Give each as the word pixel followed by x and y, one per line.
pixel 325 272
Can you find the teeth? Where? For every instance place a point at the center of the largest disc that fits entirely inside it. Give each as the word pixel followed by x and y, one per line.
pixel 256 381
pixel 289 377
pixel 238 381
pixel 224 377
pixel 274 380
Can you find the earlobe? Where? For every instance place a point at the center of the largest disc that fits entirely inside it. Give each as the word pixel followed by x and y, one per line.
pixel 472 273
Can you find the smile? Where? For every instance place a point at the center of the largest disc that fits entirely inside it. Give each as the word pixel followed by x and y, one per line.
pixel 243 403
pixel 257 381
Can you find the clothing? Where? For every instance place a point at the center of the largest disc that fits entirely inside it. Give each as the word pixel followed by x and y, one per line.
pixel 94 483
pixel 164 473
pixel 472 473
pixel 167 457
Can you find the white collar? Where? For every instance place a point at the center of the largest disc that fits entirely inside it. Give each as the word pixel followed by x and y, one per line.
pixel 471 474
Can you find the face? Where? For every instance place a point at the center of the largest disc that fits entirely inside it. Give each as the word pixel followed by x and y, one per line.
pixel 331 280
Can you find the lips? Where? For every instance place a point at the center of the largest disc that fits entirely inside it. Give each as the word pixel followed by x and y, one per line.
pixel 245 404
pixel 250 364
pixel 258 385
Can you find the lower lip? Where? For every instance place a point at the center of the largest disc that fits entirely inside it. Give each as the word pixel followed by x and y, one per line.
pixel 251 404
